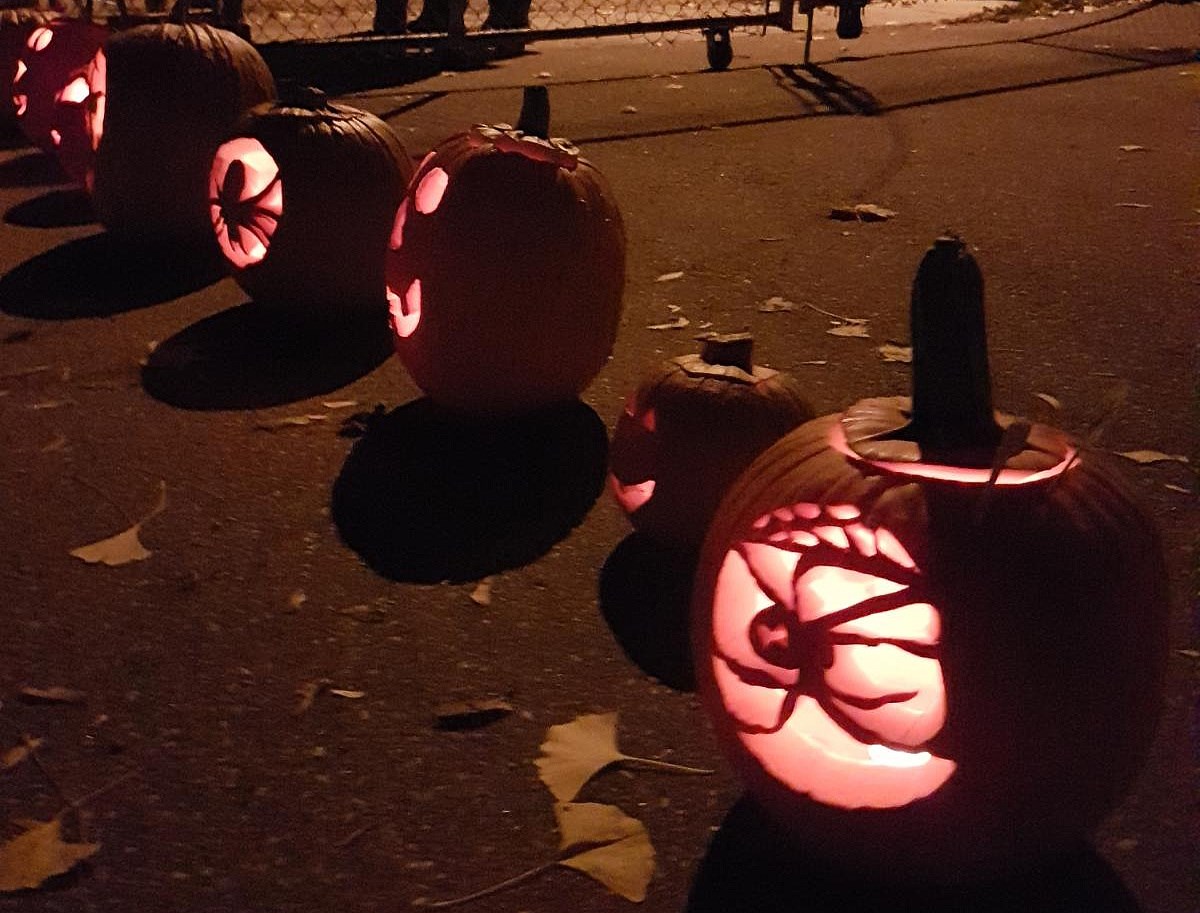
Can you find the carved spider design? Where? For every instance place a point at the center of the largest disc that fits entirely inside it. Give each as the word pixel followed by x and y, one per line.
pixel 256 214
pixel 799 654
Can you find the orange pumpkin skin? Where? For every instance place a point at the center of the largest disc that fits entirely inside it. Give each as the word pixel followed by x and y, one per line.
pixel 342 173
pixel 1050 617
pixel 175 91
pixel 688 430
pixel 505 273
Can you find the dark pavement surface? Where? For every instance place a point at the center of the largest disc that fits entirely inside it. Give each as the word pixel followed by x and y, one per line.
pixel 1009 133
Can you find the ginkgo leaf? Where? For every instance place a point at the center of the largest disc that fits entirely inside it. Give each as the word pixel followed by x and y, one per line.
pixel 575 752
pixel 624 866
pixel 40 853
pixel 592 823
pixel 124 547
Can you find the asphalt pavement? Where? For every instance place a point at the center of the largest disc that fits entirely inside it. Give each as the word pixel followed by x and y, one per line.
pixel 260 694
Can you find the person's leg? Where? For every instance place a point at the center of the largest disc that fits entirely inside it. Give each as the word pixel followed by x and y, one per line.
pixel 849 19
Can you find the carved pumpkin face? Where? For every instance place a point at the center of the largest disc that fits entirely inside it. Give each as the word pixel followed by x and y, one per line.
pixel 317 245
pixel 16 25
pixel 929 666
pixel 505 272
pixel 668 469
pixel 50 88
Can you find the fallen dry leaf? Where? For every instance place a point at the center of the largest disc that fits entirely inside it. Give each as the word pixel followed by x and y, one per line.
pixel 1153 456
pixel 629 109
pixel 19 753
pixel 307 692
pixel 774 304
pixel 869 212
pixel 124 547
pixel 1134 205
pixel 617 853
pixel 857 330
pixel 367 614
pixel 55 694
pixel 820 362
pixel 482 593
pixel 1052 401
pixel 291 421
pixel 38 854
pixel 296 600
pixel 889 351
pixel 459 715
pixel 1179 488
pixel 1132 148
pixel 347 693
pixel 340 403
pixel 52 404
pixel 58 443
pixel 677 324
pixel 670 277
pixel 575 752
pixel 23 372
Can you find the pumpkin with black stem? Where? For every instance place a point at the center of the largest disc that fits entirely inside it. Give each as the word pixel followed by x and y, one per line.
pixel 302 198
pixel 174 92
pixel 506 269
pixel 16 25
pixel 690 428
pixel 932 637
pixel 49 87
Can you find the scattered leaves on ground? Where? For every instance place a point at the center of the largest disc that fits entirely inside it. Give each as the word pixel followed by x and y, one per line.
pixel 1153 456
pixel 617 850
pixel 861 212
pixel 858 330
pixel 38 854
pixel 890 351
pixel 19 753
pixel 575 752
pixel 55 694
pixel 459 715
pixel 124 547
pixel 670 277
pixel 775 304
pixel 482 593
pixel 1052 401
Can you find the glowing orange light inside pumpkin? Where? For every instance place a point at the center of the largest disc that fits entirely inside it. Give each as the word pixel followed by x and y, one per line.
pixel 405 310
pixel 963 474
pixel 39 39
pixel 21 69
pixel 831 672
pixel 245 200
pixel 21 102
pixel 75 92
pixel 55 137
pixel 397 239
pixel 97 83
pixel 431 189
pixel 633 496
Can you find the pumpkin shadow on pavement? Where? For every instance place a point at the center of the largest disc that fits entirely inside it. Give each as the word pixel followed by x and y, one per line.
pixel 33 169
pixel 751 868
pixel 64 208
pixel 247 357
pixel 101 275
pixel 645 594
pixel 427 495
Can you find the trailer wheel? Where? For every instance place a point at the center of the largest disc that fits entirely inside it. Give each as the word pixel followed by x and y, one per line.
pixel 719 48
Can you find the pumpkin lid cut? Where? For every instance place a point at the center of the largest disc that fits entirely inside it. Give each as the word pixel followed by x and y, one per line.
pixel 531 136
pixel 948 428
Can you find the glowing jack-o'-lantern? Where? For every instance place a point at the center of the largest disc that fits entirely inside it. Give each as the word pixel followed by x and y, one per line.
pixel 506 269
pixel 931 637
pixel 16 25
pixel 49 88
pixel 688 431
pixel 302 200
pixel 174 91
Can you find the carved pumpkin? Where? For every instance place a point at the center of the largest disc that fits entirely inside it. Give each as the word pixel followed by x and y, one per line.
pixel 302 199
pixel 15 28
pixel 932 637
pixel 690 429
pixel 175 91
pixel 49 89
pixel 506 269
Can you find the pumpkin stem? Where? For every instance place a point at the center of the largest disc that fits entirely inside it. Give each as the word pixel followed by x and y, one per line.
pixel 297 95
pixel 535 112
pixel 179 12
pixel 733 349
pixel 952 416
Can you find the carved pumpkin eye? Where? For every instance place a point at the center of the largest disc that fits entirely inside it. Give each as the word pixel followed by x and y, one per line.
pixel 246 200
pixel 405 309
pixel 39 39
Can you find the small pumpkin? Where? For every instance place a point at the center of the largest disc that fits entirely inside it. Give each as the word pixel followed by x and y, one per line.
pixel 931 637
pixel 302 199
pixel 16 24
pixel 690 428
pixel 49 88
pixel 174 92
pixel 506 269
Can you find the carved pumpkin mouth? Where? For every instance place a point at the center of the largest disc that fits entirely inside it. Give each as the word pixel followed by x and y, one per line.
pixel 826 653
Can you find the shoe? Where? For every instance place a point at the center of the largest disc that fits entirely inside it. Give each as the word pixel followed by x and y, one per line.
pixel 849 21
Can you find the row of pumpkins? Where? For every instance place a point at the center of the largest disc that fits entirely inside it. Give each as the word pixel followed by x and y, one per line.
pixel 930 636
